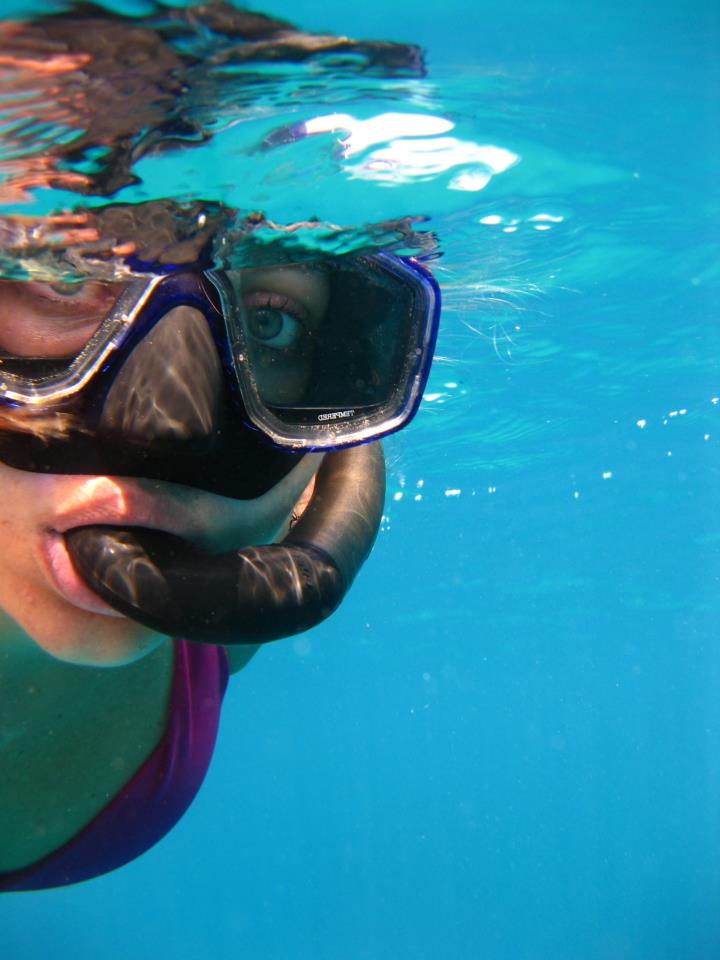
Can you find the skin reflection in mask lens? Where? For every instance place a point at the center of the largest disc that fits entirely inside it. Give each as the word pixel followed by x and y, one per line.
pixel 52 320
pixel 281 310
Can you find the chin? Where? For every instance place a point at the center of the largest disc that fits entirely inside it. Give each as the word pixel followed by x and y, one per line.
pixel 95 640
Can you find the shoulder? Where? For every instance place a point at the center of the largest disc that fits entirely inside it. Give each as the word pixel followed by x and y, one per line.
pixel 240 654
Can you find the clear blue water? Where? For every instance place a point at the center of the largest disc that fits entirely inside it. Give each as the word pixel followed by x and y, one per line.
pixel 506 745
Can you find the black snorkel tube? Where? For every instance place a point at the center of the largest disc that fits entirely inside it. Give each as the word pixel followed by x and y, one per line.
pixel 255 594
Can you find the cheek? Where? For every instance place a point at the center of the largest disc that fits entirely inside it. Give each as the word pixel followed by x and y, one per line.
pixel 75 636
pixel 18 592
pixel 281 382
pixel 20 580
pixel 68 633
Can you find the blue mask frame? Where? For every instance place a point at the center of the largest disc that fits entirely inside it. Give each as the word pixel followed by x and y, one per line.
pixel 80 388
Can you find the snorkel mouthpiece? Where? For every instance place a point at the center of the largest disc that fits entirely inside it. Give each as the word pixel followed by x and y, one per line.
pixel 252 595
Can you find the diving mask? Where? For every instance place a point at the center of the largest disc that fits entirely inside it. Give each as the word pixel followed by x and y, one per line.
pixel 316 356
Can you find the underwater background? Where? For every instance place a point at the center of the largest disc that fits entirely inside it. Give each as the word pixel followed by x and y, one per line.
pixel 506 744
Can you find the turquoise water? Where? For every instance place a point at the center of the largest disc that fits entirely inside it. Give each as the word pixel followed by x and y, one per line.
pixel 506 744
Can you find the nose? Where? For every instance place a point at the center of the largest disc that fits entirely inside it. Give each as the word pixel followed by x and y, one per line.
pixel 169 389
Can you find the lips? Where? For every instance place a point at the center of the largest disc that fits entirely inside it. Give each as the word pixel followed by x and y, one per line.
pixel 66 579
pixel 206 520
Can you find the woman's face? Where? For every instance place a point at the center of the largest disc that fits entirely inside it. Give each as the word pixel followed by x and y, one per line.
pixel 39 589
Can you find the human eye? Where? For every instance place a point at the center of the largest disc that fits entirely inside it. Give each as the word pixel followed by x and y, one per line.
pixel 52 319
pixel 79 301
pixel 274 320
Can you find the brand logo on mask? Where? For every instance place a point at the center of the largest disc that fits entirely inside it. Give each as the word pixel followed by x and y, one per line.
pixel 336 415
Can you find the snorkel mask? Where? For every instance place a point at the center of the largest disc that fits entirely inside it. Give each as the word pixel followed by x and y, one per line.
pixel 222 380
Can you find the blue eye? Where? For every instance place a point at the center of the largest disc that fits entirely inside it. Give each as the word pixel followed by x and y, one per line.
pixel 273 327
pixel 68 291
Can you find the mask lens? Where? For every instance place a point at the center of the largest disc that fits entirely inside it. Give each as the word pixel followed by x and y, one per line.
pixel 330 343
pixel 283 313
pixel 44 327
